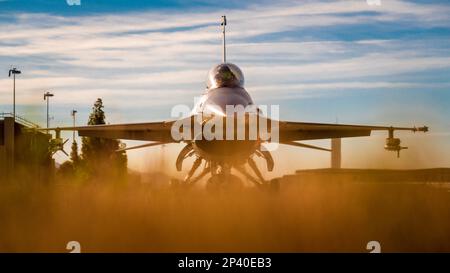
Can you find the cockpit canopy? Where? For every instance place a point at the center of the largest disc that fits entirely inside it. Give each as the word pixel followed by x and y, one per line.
pixel 225 75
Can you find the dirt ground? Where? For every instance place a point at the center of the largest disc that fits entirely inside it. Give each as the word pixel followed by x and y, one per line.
pixel 304 216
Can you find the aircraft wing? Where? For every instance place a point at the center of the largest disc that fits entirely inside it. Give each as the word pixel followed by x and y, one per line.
pixel 295 131
pixel 151 131
pixel 288 131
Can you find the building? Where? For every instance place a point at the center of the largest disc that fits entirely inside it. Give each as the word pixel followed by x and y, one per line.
pixel 23 149
pixel 336 154
pixel 330 175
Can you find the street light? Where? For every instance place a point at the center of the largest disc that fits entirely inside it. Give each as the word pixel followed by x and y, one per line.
pixel 73 113
pixel 223 24
pixel 14 71
pixel 47 96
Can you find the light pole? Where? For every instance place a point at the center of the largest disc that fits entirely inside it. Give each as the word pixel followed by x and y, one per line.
pixel 14 71
pixel 47 96
pixel 224 53
pixel 73 113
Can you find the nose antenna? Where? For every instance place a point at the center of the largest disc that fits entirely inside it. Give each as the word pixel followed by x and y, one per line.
pixel 223 24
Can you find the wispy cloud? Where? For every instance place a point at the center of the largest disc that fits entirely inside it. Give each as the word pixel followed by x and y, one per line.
pixel 151 55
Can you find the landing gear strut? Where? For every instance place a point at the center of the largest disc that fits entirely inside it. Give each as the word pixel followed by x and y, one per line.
pixel 221 177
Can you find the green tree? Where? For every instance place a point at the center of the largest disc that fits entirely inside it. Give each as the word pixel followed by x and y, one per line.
pixel 99 155
pixel 71 168
pixel 66 170
pixel 74 153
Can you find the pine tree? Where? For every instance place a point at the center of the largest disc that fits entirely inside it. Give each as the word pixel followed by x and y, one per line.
pixel 99 154
pixel 69 168
pixel 74 153
pixel 97 117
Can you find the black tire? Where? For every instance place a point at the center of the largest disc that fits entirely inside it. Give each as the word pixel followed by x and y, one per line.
pixel 175 183
pixel 222 182
pixel 274 185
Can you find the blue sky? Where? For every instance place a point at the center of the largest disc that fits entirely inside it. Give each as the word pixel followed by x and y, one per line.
pixel 319 60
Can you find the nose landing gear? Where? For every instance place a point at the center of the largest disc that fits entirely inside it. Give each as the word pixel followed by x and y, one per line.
pixel 221 176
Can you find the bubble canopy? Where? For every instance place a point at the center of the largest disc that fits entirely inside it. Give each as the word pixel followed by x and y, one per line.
pixel 225 75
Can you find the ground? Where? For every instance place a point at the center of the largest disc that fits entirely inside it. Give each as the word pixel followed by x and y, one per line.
pixel 304 216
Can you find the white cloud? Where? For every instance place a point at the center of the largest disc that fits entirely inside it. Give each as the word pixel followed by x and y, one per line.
pixel 133 53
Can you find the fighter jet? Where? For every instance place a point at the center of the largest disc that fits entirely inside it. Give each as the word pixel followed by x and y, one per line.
pixel 217 157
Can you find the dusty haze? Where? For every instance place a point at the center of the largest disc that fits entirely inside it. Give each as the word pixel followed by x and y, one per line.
pixel 144 215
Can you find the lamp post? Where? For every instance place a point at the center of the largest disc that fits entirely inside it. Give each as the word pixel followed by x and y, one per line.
pixel 14 71
pixel 73 113
pixel 224 52
pixel 47 96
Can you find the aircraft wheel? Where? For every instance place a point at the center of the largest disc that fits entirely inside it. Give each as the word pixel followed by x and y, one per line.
pixel 221 182
pixel 274 185
pixel 174 183
pixel 177 184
